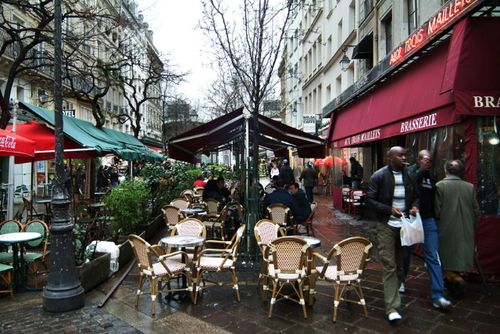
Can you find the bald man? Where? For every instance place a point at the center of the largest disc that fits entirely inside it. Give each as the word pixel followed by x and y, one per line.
pixel 390 195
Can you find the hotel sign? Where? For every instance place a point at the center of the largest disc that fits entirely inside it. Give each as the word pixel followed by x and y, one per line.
pixel 444 18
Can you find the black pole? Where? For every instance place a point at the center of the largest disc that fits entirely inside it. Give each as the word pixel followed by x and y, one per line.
pixel 63 291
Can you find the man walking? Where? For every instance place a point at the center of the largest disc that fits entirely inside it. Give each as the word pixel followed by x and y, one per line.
pixel 286 173
pixel 308 177
pixel 356 173
pixel 425 185
pixel 391 194
pixel 457 210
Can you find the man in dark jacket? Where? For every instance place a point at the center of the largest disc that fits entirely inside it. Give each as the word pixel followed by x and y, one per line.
pixel 309 177
pixel 391 195
pixel 303 205
pixel 282 196
pixel 286 173
pixel 356 173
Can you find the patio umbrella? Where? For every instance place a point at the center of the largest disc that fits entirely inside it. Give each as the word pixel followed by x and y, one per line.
pixel 12 144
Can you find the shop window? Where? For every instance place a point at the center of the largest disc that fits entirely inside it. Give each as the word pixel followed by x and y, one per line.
pixel 488 168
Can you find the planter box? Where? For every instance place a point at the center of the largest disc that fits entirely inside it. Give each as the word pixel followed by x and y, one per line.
pixel 93 273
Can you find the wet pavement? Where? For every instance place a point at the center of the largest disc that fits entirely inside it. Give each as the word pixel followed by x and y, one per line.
pixel 218 311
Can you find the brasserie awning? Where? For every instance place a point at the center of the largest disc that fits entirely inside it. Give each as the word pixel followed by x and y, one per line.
pixel 271 134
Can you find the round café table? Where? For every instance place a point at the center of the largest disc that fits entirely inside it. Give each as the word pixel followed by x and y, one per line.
pixel 311 241
pixel 181 242
pixel 16 239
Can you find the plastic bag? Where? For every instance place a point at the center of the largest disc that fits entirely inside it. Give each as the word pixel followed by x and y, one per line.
pixel 412 230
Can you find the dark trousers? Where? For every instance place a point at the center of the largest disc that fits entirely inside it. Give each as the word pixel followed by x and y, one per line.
pixel 309 194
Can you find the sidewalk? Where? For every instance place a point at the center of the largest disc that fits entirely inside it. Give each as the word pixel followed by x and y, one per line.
pixel 218 312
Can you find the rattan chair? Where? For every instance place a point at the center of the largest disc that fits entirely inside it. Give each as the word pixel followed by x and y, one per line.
pixel 350 256
pixel 36 250
pixel 280 214
pixel 188 195
pixel 287 266
pixel 171 215
pixel 265 231
pixel 346 198
pixel 181 203
pixel 212 206
pixel 218 260
pixel 308 223
pixel 188 226
pixel 158 272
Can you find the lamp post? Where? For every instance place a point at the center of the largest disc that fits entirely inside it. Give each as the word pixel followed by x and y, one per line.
pixel 63 291
pixel 10 202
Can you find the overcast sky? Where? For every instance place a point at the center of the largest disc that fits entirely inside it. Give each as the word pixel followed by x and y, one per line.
pixel 175 36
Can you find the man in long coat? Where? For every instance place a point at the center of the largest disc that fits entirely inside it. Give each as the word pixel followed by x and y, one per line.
pixel 457 209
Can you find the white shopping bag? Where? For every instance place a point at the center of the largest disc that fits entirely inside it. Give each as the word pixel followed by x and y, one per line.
pixel 412 231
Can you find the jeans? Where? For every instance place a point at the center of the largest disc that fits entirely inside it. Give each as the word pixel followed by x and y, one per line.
pixel 391 254
pixel 431 248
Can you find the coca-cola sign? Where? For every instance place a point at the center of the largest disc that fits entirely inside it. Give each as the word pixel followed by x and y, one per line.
pixel 8 142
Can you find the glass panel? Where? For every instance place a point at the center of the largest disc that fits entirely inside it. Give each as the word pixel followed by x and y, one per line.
pixel 488 169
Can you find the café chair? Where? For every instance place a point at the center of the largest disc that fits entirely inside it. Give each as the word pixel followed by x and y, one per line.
pixel 36 251
pixel 31 212
pixel 356 204
pixel 9 226
pixel 346 198
pixel 188 226
pixel 6 279
pixel 217 260
pixel 188 195
pixel 181 203
pixel 280 214
pixel 158 272
pixel 212 206
pixel 265 231
pixel 343 266
pixel 171 215
pixel 287 266
pixel 308 223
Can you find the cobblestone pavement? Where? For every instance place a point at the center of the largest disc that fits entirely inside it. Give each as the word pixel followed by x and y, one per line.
pixel 218 311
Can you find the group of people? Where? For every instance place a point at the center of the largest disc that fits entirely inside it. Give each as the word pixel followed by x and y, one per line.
pixel 107 177
pixel 448 210
pixel 283 189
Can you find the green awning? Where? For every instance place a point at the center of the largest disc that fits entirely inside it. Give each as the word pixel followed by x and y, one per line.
pixel 103 140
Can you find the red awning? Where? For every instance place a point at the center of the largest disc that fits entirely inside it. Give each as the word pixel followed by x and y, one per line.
pixel 412 100
pixel 477 83
pixel 12 144
pixel 44 142
pixel 460 76
pixel 223 130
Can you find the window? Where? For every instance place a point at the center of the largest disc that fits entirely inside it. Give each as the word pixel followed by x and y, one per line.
pixel 386 26
pixel 340 38
pixel 488 167
pixel 412 15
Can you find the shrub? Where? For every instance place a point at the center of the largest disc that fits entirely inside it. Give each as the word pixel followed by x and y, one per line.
pixel 128 204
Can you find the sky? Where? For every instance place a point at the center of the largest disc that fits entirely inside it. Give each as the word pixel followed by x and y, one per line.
pixel 176 37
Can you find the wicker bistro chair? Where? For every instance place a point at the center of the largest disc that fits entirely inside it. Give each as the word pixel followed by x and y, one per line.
pixel 9 226
pixel 37 250
pixel 181 203
pixel 309 221
pixel 356 203
pixel 158 272
pixel 288 266
pixel 188 226
pixel 212 206
pixel 265 231
pixel 346 198
pixel 218 260
pixel 280 214
pixel 172 215
pixel 351 255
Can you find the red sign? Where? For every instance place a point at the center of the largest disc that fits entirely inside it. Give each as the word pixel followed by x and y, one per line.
pixel 443 19
pixel 409 125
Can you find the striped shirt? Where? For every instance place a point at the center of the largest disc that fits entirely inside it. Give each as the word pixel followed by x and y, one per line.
pixel 398 199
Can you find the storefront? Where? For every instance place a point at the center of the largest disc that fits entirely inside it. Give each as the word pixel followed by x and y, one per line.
pixel 447 100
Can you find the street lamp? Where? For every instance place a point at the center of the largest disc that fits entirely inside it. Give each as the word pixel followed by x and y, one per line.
pixel 345 61
pixel 63 291
pixel 10 203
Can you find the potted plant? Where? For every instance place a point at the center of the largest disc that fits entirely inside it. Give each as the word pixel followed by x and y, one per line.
pixel 128 204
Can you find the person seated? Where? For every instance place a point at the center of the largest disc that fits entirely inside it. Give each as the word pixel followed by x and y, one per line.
pixel 212 191
pixel 281 195
pixel 199 182
pixel 303 205
pixel 271 186
pixel 223 191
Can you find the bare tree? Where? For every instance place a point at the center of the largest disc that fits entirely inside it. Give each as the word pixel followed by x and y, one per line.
pixel 225 94
pixel 19 41
pixel 250 42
